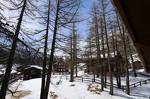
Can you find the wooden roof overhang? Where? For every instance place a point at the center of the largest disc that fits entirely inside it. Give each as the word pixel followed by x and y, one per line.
pixel 136 17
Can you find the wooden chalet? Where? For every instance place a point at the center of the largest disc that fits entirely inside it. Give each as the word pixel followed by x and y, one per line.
pixel 60 67
pixel 31 72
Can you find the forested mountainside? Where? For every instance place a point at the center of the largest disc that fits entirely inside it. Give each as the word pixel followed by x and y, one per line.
pixel 25 54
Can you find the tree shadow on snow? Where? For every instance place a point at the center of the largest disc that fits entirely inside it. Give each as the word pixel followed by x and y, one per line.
pixel 121 95
pixel 142 92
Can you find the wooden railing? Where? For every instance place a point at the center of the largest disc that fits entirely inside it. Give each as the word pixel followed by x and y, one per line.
pixel 139 83
pixel 98 81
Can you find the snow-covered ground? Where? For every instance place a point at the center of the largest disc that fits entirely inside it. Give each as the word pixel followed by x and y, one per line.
pixel 142 91
pixel 61 88
pixel 123 79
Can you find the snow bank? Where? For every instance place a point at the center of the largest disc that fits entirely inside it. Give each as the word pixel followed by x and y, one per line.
pixel 68 90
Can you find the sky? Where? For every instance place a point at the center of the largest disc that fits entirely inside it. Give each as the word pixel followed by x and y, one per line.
pixel 84 12
pixel 82 27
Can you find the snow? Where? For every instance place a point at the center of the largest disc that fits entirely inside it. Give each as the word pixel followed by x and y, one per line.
pixel 143 93
pixel 1 66
pixel 135 58
pixel 14 66
pixel 80 73
pixel 140 70
pixel 2 71
pixel 35 66
pixel 81 64
pixel 75 90
pixel 131 80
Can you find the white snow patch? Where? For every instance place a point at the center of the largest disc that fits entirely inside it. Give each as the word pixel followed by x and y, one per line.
pixel 80 73
pixel 73 90
pixel 2 71
pixel 34 66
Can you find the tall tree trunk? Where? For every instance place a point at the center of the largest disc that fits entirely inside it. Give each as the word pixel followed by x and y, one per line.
pixel 122 32
pixel 75 49
pixel 98 47
pixel 108 50
pixel 132 60
pixel 110 69
pixel 104 57
pixel 76 58
pixel 72 63
pixel 45 53
pixel 48 80
pixel 118 79
pixel 126 61
pixel 114 51
pixel 93 69
pixel 76 65
pixel 11 55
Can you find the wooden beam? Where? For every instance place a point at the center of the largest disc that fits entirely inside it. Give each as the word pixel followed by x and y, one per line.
pixel 120 10
pixel 140 45
pixel 123 17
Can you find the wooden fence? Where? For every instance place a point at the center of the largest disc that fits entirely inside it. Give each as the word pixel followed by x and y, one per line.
pixel 139 83
pixel 98 81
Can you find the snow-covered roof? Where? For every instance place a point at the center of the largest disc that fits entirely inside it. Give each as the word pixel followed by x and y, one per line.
pixel 34 66
pixel 81 64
